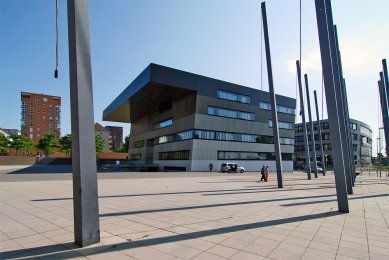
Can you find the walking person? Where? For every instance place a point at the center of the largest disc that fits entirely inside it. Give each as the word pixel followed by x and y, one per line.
pixel 210 166
pixel 266 172
pixel 262 173
pixel 117 164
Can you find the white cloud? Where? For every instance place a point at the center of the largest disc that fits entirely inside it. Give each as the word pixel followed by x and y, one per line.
pixel 310 62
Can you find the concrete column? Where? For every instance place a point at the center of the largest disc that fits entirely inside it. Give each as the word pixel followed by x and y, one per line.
pixel 276 134
pixel 85 201
pixel 384 110
pixel 311 124
pixel 302 107
pixel 320 136
pixel 324 22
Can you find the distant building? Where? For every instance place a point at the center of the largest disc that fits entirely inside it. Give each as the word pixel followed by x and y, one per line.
pixel 10 132
pixel 40 114
pixel 116 137
pixel 361 141
pixel 104 133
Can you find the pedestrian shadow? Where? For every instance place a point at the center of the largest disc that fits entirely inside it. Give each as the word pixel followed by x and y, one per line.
pixel 60 252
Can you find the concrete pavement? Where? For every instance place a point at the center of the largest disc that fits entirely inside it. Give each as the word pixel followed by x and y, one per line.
pixel 196 216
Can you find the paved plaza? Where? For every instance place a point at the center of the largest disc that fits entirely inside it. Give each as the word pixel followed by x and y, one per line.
pixel 194 216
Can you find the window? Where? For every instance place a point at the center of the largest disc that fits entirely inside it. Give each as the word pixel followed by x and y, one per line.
pixel 176 155
pixel 23 116
pixel 174 137
pixel 233 96
pixel 31 117
pixel 281 125
pixel 265 139
pixel 202 134
pixel 57 108
pixel 265 106
pixel 57 113
pixel 23 110
pixel 353 126
pixel 31 129
pixel 44 100
pixel 298 129
pixel 23 122
pixel 326 147
pixel 325 126
pixel 280 109
pixel 57 125
pixel 326 136
pixel 299 138
pixel 355 147
pixel 37 98
pixel 286 141
pixel 215 111
pixel 31 136
pixel 355 137
pixel 31 111
pixel 31 104
pixel 23 104
pixel 163 124
pixel 139 144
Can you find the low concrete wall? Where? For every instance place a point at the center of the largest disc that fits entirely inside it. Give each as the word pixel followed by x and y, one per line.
pixel 17 160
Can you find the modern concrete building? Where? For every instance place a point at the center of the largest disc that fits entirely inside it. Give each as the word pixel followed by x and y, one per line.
pixel 115 137
pixel 361 139
pixel 41 114
pixel 105 135
pixel 184 121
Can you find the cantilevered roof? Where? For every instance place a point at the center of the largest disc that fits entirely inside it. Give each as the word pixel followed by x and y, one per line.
pixel 158 85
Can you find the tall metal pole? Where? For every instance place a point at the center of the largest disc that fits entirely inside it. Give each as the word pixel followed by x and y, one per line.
pixel 323 163
pixel 347 129
pixel 385 81
pixel 85 202
pixel 385 112
pixel 323 25
pixel 276 134
pixel 311 124
pixel 338 96
pixel 302 107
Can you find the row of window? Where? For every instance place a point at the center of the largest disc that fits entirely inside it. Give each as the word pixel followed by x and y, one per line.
pixel 24 104
pixel 299 129
pixel 326 136
pixel 280 109
pixel 233 97
pixel 220 136
pixel 229 155
pixel 247 100
pixel 222 155
pixel 281 125
pixel 301 148
pixel 217 111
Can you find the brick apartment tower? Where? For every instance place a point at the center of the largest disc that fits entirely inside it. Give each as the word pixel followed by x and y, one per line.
pixel 116 137
pixel 41 114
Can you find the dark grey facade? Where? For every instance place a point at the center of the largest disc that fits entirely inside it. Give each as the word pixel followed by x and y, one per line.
pixel 185 121
pixel 361 141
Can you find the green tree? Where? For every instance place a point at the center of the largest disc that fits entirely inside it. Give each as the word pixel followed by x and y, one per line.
pixel 65 143
pixel 100 144
pixel 4 143
pixel 124 147
pixel 28 145
pixel 17 142
pixel 48 144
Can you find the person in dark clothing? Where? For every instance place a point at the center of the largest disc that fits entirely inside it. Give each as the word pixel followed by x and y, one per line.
pixel 210 166
pixel 262 173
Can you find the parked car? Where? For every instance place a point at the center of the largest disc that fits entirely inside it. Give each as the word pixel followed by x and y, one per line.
pixel 232 168
pixel 319 168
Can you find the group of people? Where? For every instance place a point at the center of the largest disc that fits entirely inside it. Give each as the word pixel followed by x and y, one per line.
pixel 264 173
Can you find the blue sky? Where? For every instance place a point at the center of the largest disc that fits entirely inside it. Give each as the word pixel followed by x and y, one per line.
pixel 218 38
